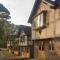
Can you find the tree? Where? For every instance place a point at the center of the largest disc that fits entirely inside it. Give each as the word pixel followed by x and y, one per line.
pixel 4 24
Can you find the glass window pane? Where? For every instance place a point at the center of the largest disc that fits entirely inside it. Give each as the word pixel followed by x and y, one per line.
pixel 41 21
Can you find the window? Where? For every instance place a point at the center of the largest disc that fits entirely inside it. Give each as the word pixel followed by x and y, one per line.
pixel 41 46
pixel 38 21
pixel 51 47
pixel 22 38
pixel 43 19
pixel 25 38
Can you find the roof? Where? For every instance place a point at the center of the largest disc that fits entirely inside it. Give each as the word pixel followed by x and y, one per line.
pixel 35 7
pixel 55 2
pixel 3 9
pixel 25 29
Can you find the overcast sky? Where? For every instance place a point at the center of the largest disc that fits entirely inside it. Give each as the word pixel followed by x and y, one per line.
pixel 19 10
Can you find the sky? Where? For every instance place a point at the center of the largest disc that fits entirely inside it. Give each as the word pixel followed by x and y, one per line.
pixel 19 10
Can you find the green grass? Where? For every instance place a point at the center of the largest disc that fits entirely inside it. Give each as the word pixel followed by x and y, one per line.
pixel 1 54
pixel 6 54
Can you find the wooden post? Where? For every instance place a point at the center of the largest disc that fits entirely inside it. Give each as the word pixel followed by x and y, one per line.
pixel 35 50
pixel 41 45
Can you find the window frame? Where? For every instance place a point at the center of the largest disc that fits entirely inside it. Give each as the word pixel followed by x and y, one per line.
pixel 42 46
pixel 51 46
pixel 22 39
pixel 41 20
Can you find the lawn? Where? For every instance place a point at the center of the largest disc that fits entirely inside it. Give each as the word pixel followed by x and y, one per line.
pixel 6 54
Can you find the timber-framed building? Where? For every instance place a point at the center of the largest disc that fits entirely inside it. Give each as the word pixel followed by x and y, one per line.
pixel 45 24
